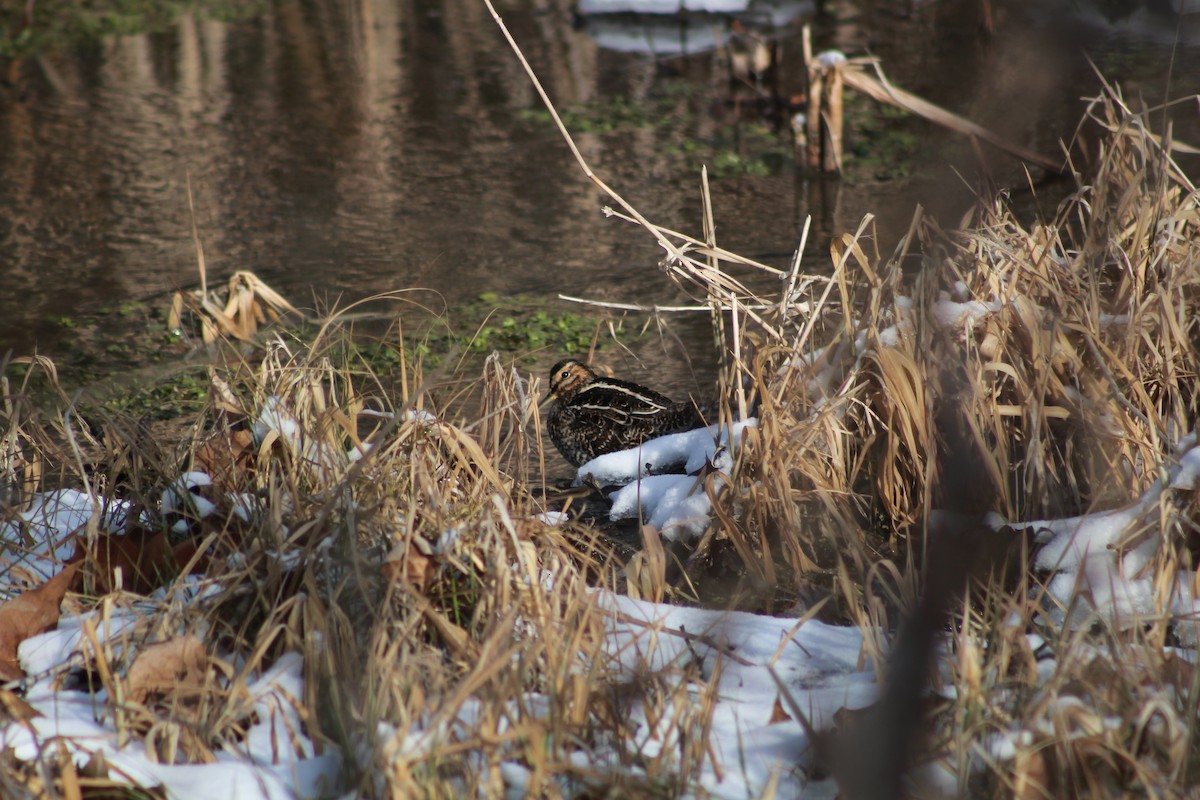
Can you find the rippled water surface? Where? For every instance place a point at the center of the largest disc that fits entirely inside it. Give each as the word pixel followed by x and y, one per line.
pixel 340 149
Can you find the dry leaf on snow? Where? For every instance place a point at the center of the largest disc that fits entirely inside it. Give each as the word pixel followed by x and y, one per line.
pixel 228 458
pixel 29 614
pixel 174 668
pixel 778 714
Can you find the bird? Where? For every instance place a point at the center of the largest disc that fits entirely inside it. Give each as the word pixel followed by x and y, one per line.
pixel 591 415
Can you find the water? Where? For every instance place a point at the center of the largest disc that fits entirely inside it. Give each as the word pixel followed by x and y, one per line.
pixel 341 149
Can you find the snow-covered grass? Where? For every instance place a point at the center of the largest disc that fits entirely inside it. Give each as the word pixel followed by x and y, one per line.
pixel 944 528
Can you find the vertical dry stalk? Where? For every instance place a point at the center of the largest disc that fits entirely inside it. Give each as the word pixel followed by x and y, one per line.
pixel 831 115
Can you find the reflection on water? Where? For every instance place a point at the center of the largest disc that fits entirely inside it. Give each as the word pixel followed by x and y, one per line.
pixel 344 148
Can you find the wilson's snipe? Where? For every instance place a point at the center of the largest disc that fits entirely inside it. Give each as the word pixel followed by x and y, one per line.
pixel 591 415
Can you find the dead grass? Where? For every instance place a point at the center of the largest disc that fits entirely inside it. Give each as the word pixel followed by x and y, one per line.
pixel 448 634
pixel 1065 390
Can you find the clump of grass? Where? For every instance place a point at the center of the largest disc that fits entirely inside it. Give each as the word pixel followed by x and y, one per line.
pixel 445 629
pixel 450 638
pixel 1026 373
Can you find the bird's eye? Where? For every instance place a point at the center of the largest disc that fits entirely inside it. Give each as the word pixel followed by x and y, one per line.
pixel 565 373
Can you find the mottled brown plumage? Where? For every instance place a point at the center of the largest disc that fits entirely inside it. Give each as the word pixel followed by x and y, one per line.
pixel 592 415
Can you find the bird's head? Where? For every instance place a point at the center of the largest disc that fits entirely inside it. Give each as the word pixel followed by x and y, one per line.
pixel 568 376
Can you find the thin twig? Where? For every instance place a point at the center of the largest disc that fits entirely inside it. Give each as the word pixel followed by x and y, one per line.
pixel 702 248
pixel 673 250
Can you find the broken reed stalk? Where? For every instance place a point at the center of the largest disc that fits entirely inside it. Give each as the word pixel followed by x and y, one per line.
pixel 700 247
pixel 816 92
pixel 789 293
pixel 824 123
pixel 828 73
pixel 832 117
pixel 884 91
pixel 729 366
pixel 714 299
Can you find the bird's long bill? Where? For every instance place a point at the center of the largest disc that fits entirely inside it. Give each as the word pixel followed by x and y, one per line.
pixel 545 401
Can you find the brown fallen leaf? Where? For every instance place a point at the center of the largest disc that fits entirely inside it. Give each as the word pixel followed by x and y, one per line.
pixel 223 399
pixel 1033 775
pixel 228 458
pixel 144 560
pixel 175 668
pixel 408 563
pixel 28 614
pixel 778 714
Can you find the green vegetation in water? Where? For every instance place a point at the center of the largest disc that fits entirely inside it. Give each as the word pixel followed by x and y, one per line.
pixel 145 394
pixel 27 28
pixel 118 359
pixel 182 394
pixel 882 143
pixel 751 149
pixel 729 163
pixel 522 325
pixel 735 148
pixel 108 343
pixel 604 116
pixel 125 359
